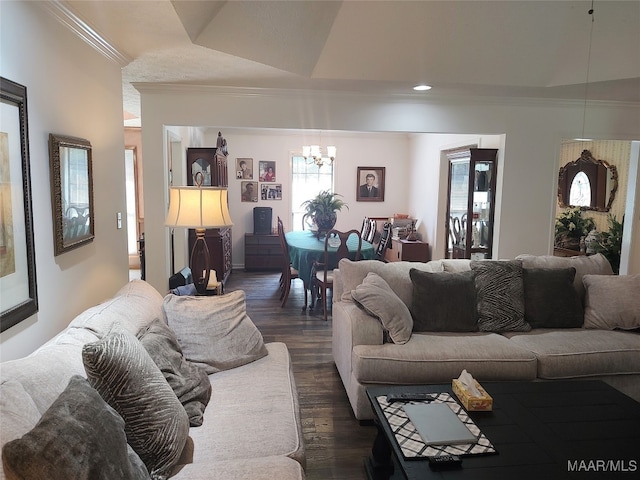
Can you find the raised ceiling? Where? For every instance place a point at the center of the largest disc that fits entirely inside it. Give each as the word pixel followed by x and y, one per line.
pixel 530 49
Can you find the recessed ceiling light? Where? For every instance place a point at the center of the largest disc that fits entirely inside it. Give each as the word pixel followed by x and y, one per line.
pixel 422 88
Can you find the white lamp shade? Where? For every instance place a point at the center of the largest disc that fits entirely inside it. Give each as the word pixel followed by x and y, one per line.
pixel 198 207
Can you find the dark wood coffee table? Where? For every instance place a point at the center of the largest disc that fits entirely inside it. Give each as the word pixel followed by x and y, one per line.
pixel 541 430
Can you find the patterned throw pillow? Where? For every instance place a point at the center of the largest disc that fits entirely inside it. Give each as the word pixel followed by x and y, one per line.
pixel 444 301
pixel 78 437
pixel 375 296
pixel 500 295
pixel 156 424
pixel 189 382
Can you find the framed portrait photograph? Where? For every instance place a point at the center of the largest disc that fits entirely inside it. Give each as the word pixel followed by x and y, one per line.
pixel 267 171
pixel 72 192
pixel 370 186
pixel 18 292
pixel 244 168
pixel 271 191
pixel 249 191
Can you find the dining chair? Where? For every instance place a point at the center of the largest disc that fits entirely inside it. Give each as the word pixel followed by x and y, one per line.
pixel 322 272
pixel 385 239
pixel 288 272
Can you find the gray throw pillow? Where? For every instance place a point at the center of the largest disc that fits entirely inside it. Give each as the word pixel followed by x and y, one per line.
pixel 156 423
pixel 79 437
pixel 375 296
pixel 550 299
pixel 443 301
pixel 500 292
pixel 214 332
pixel 612 301
pixel 189 382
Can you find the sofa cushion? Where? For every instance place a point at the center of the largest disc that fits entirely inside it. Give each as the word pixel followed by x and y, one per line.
pixel 135 305
pixel 396 274
pixel 156 423
pixel 500 292
pixel 443 301
pixel 612 301
pixel 214 332
pixel 439 357
pixel 593 264
pixel 550 299
pixel 79 437
pixel 189 382
pixel 575 353
pixel 254 412
pixel 375 296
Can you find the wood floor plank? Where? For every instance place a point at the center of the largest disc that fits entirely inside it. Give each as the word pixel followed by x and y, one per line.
pixel 336 443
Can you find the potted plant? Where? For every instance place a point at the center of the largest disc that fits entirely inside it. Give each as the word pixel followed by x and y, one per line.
pixel 570 227
pixel 610 243
pixel 322 209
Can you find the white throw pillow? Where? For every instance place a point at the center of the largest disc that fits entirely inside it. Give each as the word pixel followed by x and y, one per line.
pixel 214 332
pixel 612 301
pixel 377 299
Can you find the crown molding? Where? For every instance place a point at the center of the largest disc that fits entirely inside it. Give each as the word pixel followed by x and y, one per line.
pixel 78 26
pixel 419 98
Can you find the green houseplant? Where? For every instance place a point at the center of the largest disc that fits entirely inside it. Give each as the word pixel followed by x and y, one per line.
pixel 610 243
pixel 570 226
pixel 322 209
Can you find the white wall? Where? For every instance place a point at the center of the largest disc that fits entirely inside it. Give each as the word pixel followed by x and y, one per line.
pixel 71 90
pixel 531 132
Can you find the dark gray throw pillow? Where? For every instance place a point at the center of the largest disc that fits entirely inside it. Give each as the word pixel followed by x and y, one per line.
pixel 550 299
pixel 500 291
pixel 189 382
pixel 443 301
pixel 156 423
pixel 79 437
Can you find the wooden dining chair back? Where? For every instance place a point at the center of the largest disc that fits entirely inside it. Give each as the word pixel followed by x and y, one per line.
pixel 288 272
pixel 322 273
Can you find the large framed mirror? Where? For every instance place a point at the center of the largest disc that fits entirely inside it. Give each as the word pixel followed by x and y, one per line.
pixel 587 183
pixel 72 192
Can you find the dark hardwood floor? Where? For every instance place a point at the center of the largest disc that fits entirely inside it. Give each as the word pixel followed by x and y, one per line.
pixel 336 443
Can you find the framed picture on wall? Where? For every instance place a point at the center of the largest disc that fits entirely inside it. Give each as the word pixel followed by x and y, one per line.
pixel 370 187
pixel 271 191
pixel 244 168
pixel 249 191
pixel 17 248
pixel 267 171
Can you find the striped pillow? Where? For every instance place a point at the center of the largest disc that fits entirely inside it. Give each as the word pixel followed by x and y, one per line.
pixel 500 295
pixel 156 424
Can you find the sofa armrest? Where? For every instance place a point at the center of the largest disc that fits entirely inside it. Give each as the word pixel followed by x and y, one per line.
pixel 351 327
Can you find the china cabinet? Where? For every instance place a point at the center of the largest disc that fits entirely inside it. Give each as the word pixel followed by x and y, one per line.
pixel 471 203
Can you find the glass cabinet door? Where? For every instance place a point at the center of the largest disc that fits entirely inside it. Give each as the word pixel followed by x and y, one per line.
pixel 471 203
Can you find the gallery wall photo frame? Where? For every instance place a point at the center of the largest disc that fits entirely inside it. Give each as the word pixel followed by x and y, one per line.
pixel 267 170
pixel 244 168
pixel 71 192
pixel 18 286
pixel 370 185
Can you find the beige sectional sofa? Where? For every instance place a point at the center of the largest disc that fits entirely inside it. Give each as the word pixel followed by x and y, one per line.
pixel 365 353
pixel 251 427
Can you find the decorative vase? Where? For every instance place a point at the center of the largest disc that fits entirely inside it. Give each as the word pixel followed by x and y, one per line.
pixel 325 222
pixel 567 242
pixel 591 240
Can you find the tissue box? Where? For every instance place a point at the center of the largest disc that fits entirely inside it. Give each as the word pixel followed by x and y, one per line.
pixel 472 404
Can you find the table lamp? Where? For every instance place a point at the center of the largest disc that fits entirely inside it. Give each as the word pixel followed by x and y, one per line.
pixel 199 208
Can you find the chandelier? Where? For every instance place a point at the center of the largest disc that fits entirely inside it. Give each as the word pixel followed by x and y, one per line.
pixel 314 154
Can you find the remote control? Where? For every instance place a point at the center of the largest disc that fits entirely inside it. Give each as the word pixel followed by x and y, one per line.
pixel 405 397
pixel 445 461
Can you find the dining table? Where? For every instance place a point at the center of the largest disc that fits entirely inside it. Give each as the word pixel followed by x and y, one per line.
pixel 305 248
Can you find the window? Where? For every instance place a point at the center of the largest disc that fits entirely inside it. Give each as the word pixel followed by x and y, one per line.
pixel 308 180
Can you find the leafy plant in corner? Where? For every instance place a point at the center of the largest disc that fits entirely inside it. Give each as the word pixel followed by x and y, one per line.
pixel 610 243
pixel 323 208
pixel 570 226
